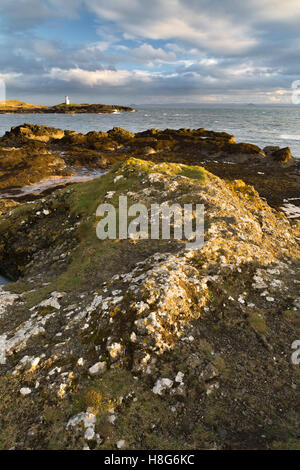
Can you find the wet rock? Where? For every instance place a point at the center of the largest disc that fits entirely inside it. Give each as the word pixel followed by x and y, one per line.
pixel 25 166
pixel 242 153
pixel 30 132
pixel 147 151
pixel 270 149
pixel 119 134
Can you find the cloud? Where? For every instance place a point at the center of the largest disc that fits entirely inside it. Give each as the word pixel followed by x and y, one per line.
pixel 9 77
pixel 276 10
pixel 111 78
pixel 44 49
pixel 146 52
pixel 185 20
pixel 160 50
pixel 24 14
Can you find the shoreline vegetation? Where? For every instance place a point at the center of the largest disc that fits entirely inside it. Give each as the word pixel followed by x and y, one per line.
pixel 142 344
pixel 20 107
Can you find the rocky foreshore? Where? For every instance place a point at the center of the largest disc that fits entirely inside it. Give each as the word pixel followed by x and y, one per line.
pixel 31 154
pixel 142 344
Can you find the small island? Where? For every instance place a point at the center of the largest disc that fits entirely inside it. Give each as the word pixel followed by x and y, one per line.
pixel 20 107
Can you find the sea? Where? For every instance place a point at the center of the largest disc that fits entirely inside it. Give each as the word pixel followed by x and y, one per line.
pixel 256 124
pixel 3 280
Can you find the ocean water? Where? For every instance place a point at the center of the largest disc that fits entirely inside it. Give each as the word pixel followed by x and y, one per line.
pixel 3 280
pixel 260 125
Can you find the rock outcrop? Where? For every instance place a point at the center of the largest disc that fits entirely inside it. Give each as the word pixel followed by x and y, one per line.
pixel 30 153
pixel 30 133
pixel 141 343
pixel 283 156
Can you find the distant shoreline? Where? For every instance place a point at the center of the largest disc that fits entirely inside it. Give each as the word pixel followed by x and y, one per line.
pixel 19 107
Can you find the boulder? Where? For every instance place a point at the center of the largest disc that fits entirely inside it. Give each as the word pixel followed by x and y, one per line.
pixel 242 152
pixel 22 134
pixel 147 151
pixel 270 149
pixel 283 157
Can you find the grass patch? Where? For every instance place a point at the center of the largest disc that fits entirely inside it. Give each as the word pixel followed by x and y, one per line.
pixel 194 172
pixel 257 322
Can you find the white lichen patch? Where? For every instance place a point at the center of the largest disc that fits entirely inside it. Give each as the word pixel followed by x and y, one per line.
pixel 6 299
pixel 162 385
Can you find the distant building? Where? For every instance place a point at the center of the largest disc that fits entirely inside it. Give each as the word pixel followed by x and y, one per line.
pixel 67 101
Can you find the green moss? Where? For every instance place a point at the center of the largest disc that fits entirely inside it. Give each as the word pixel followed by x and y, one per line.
pixel 205 347
pixel 203 437
pixel 293 317
pixel 219 363
pixel 171 169
pixel 145 422
pixel 86 197
pixel 64 105
pixel 19 287
pixel 194 172
pixel 36 296
pixel 257 322
pixel 291 444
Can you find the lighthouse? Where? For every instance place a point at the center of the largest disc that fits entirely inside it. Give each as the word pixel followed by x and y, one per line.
pixel 67 101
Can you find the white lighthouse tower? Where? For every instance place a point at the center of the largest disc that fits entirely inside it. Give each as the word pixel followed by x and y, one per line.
pixel 67 101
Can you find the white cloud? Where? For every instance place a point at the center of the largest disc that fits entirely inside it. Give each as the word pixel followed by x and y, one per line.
pixel 277 10
pixel 185 20
pixel 121 47
pixel 279 96
pixel 217 46
pixel 99 77
pixel 146 52
pixel 208 61
pixel 97 46
pixel 7 77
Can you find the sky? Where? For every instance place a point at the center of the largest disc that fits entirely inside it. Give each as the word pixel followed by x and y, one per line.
pixel 156 52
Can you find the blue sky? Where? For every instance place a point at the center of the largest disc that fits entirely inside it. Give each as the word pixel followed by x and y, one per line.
pixel 163 51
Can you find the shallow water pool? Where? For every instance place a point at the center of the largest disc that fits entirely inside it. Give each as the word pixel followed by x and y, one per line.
pixel 3 280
